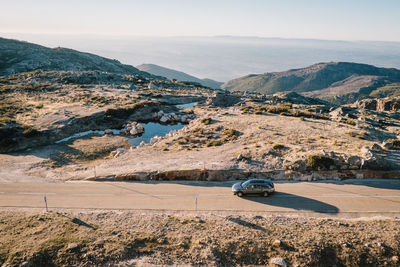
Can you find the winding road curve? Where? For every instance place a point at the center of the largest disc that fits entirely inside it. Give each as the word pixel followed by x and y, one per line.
pixel 351 198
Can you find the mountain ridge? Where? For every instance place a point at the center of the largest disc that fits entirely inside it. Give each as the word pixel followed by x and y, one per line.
pixel 324 80
pixel 20 56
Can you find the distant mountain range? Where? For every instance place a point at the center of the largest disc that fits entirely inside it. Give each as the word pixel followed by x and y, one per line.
pixel 223 58
pixel 177 75
pixel 323 80
pixel 17 56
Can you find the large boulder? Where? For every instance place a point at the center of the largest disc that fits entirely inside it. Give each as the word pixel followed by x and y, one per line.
pixel 223 100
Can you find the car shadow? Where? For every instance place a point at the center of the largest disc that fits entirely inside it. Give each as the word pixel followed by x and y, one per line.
pixel 296 202
pixel 246 224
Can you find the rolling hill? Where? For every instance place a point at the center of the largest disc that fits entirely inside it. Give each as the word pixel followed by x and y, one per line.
pixel 177 75
pixel 323 80
pixel 18 56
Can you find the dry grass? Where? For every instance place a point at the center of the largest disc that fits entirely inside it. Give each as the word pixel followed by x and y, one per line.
pixel 100 238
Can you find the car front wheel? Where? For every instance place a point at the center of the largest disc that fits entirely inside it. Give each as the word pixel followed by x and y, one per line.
pixel 240 194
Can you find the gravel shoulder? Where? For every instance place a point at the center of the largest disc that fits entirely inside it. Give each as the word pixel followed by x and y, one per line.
pixel 143 238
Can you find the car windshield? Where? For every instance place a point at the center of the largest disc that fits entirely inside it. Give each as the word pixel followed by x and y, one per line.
pixel 245 184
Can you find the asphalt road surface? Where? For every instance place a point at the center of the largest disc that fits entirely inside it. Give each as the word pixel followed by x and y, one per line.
pixel 354 197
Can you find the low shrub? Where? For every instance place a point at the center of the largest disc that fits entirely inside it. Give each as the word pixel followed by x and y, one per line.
pixel 278 146
pixel 395 142
pixel 216 142
pixel 229 132
pixel 350 122
pixel 29 131
pixel 206 121
pixel 317 162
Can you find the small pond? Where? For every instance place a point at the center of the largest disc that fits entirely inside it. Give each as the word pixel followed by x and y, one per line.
pixel 188 105
pixel 152 129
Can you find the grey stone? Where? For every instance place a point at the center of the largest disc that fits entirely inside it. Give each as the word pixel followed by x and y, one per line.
pixel 278 261
pixel 354 160
pixel 72 245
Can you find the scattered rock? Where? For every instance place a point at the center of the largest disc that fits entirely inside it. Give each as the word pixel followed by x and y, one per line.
pixel 118 152
pixel 132 128
pixel 108 131
pixel 172 117
pixel 72 246
pixel 366 152
pixel 387 145
pixel 152 86
pixel 276 243
pixel 277 262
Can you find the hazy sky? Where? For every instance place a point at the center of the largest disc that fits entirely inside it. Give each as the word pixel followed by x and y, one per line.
pixel 319 19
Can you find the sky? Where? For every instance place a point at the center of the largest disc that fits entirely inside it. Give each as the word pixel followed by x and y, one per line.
pixel 376 20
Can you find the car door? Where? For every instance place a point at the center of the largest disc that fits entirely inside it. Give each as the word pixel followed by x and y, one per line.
pixel 249 189
pixel 257 189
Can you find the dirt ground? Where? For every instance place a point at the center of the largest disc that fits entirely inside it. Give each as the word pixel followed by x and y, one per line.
pixel 144 238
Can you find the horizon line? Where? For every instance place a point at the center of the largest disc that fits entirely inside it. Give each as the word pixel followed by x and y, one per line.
pixel 195 36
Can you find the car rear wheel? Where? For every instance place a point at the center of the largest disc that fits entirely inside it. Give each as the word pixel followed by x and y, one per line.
pixel 240 194
pixel 265 194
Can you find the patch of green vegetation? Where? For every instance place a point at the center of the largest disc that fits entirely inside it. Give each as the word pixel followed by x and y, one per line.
pixel 206 121
pixel 125 111
pixel 317 162
pixel 29 131
pixel 395 142
pixel 230 134
pixel 359 135
pixel 39 106
pixel 278 146
pixel 386 91
pixel 188 111
pixel 9 108
pixel 197 131
pixel 350 122
pixel 218 142
pixel 6 89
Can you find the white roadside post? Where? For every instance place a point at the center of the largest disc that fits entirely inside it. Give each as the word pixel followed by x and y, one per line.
pixel 45 202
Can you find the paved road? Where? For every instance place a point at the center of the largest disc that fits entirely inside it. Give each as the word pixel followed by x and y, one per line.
pixel 357 197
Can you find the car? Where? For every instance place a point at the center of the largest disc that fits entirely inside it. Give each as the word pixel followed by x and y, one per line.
pixel 253 186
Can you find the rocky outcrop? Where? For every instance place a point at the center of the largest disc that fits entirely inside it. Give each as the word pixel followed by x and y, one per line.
pixel 172 117
pixel 380 105
pixel 222 100
pixel 132 128
pixel 237 174
pixel 343 113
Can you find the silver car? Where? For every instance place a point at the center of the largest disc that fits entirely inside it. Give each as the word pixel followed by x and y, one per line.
pixel 253 186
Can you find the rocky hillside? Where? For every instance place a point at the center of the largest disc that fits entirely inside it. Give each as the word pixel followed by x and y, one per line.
pixel 177 75
pixel 17 56
pixel 349 81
